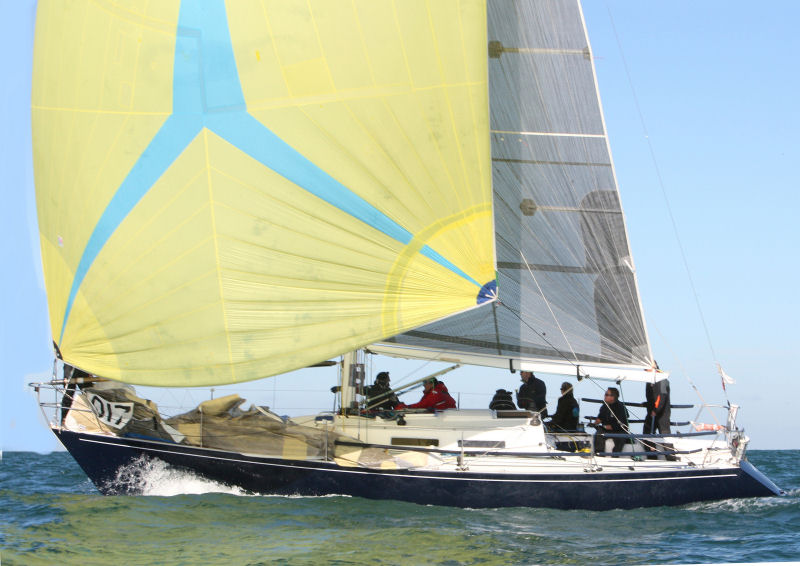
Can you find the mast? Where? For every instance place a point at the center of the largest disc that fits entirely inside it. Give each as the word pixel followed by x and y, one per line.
pixel 351 380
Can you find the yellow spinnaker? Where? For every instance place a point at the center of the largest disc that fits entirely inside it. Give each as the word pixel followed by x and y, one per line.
pixel 227 191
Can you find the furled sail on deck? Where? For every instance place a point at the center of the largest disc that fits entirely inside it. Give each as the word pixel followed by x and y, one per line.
pixel 566 281
pixel 229 190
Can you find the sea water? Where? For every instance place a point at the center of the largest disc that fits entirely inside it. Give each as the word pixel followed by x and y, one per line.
pixel 51 514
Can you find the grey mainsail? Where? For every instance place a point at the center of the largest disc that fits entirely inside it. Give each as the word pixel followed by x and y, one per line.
pixel 566 281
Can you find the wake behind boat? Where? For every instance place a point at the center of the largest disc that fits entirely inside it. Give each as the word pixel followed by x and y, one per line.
pixel 234 197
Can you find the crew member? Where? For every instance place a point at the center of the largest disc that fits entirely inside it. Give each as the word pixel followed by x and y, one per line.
pixel 380 395
pixel 613 417
pixel 532 394
pixel 434 397
pixel 658 411
pixel 658 416
pixel 567 411
pixel 502 401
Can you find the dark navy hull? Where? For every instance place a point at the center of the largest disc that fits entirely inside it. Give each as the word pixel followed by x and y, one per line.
pixel 103 457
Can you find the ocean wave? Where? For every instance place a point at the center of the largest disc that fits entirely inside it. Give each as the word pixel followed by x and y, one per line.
pixel 747 505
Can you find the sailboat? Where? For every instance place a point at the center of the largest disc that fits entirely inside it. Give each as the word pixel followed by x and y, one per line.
pixel 229 191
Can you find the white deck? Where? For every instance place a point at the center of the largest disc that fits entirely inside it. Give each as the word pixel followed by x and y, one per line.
pixel 476 440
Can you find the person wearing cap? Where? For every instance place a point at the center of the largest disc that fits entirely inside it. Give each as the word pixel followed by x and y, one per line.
pixel 567 411
pixel 435 397
pixel 532 394
pixel 380 396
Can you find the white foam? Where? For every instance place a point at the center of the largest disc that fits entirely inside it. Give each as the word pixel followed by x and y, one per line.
pixel 295 496
pixel 155 478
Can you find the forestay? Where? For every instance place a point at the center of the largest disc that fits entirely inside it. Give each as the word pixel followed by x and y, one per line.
pixel 232 190
pixel 567 289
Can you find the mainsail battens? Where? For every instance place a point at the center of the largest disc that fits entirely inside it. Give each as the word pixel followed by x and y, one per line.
pixel 564 267
pixel 550 134
pixel 322 178
pixel 579 210
pixel 503 49
pixel 503 347
pixel 533 162
pixel 556 268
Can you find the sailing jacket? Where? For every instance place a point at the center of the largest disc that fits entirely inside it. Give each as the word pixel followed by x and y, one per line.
pixel 615 415
pixel 436 399
pixel 532 395
pixel 657 395
pixel 658 408
pixel 567 412
pixel 382 395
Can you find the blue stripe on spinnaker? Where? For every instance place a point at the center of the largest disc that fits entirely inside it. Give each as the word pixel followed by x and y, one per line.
pixel 204 55
pixel 435 256
pixel 170 141
pixel 207 93
pixel 253 138
pixel 256 140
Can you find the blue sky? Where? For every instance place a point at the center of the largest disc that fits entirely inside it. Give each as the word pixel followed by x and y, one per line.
pixel 700 101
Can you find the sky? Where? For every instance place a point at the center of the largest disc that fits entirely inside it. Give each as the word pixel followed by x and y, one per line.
pixel 700 102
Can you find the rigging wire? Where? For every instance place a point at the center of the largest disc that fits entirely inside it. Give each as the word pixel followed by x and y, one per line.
pixel 662 186
pixel 590 379
pixel 546 302
pixel 703 402
pixel 539 334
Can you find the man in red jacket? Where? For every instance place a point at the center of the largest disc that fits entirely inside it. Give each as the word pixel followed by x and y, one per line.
pixel 434 397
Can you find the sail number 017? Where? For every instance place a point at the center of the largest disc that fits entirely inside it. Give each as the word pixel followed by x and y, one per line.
pixel 116 415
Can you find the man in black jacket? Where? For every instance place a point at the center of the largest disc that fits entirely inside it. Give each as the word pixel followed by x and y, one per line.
pixel 613 417
pixel 532 394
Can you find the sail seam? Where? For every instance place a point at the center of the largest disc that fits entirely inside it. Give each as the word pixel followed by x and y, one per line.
pixel 217 256
pixel 449 105
pixel 99 111
pixel 137 252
